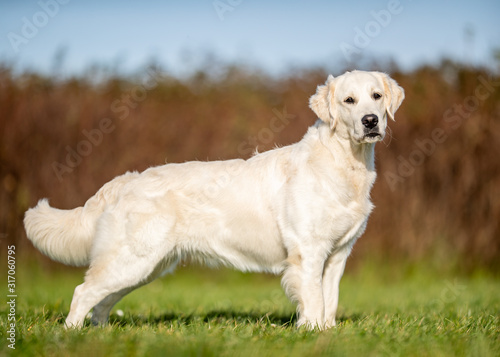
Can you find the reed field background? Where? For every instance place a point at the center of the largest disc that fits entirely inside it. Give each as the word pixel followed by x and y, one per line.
pixel 438 186
pixel 422 280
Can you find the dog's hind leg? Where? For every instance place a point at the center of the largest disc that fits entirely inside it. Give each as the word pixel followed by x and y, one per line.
pixel 124 257
pixel 100 313
pixel 107 284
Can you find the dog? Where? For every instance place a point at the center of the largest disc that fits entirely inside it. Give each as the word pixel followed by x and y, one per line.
pixel 295 210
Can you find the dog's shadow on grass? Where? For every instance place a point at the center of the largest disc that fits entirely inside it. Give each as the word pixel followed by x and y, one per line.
pixel 217 316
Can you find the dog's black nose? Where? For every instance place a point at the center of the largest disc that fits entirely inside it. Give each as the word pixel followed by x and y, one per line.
pixel 370 121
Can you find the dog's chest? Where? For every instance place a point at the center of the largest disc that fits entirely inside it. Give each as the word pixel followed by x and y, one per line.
pixel 360 182
pixel 346 207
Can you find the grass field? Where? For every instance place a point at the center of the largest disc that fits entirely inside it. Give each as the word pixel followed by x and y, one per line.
pixel 198 312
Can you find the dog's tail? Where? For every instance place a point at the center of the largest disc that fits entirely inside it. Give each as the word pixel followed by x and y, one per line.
pixel 63 235
pixel 67 235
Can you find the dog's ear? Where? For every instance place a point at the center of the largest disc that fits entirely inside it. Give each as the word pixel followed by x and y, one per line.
pixel 393 95
pixel 322 102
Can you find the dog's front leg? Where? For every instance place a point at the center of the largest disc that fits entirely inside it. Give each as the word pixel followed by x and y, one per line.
pixel 303 280
pixel 313 314
pixel 334 268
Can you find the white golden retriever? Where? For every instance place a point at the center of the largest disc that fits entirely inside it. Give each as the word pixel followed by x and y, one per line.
pixel 295 210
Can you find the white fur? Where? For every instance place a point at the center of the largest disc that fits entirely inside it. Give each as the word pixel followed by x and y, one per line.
pixel 295 210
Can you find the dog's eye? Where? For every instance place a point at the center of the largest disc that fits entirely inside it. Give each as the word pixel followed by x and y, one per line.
pixel 377 96
pixel 349 100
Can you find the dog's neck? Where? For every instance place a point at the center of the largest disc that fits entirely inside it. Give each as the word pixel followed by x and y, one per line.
pixel 356 161
pixel 358 156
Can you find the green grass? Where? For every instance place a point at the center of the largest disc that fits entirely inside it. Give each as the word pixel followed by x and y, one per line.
pixel 201 312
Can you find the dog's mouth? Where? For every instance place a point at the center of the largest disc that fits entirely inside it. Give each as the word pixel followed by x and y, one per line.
pixel 372 137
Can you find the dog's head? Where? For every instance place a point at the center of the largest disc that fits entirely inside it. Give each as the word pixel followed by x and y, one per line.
pixel 357 104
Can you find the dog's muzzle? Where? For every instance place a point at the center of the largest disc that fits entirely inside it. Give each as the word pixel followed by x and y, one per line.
pixel 370 122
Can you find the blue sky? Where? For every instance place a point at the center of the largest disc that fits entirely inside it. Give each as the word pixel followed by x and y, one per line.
pixel 273 35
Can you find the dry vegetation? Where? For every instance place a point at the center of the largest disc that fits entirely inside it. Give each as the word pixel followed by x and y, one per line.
pixel 438 189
